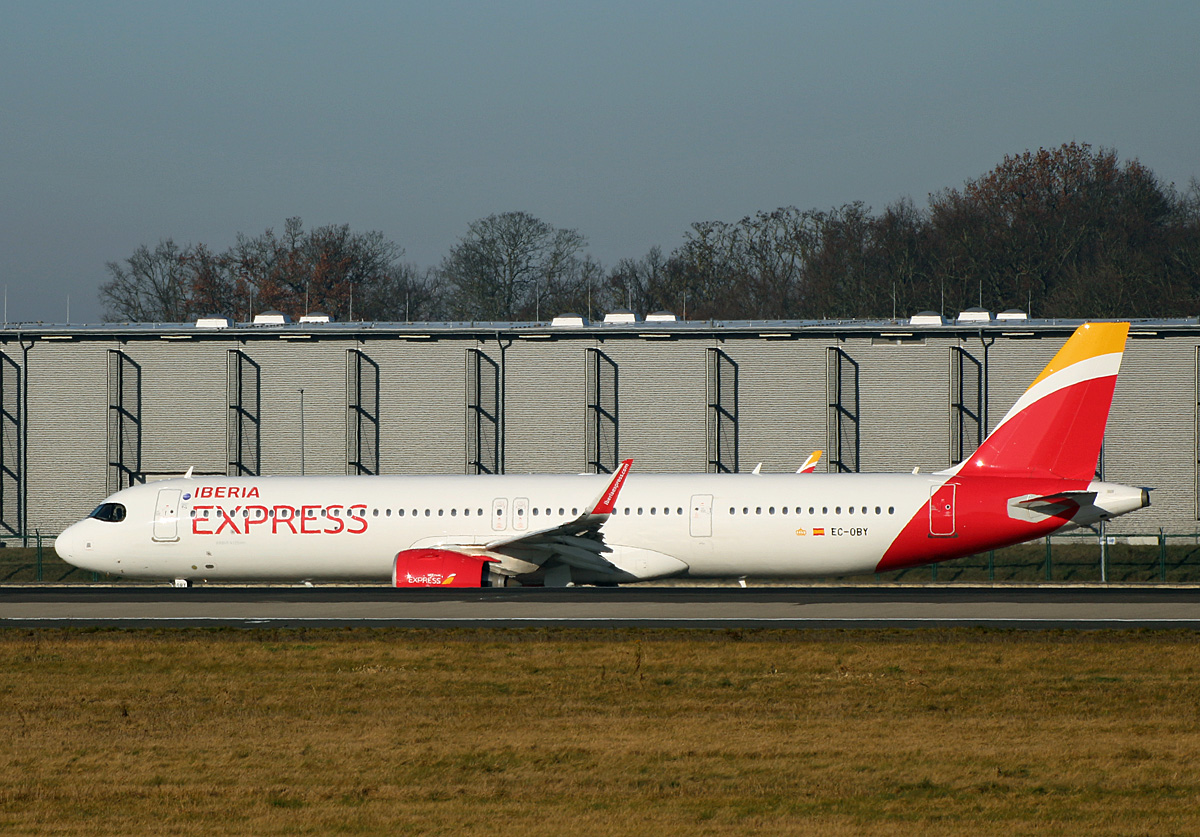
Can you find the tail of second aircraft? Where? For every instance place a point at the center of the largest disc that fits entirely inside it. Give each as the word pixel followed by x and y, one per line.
pixel 1057 427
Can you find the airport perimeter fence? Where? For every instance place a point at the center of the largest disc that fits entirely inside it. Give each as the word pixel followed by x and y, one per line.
pixel 1081 558
pixel 1076 558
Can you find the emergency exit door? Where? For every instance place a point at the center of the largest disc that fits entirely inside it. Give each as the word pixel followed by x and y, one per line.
pixel 941 510
pixel 701 522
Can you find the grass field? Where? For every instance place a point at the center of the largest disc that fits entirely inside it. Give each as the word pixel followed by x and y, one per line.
pixel 540 732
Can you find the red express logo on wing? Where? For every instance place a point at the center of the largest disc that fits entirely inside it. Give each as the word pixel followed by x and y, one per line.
pixel 296 520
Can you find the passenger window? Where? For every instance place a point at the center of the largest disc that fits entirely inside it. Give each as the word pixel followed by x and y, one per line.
pixel 375 512
pixel 535 511
pixel 851 510
pixel 771 510
pixel 653 510
pixel 877 510
pixel 891 509
pixel 400 512
pixel 454 512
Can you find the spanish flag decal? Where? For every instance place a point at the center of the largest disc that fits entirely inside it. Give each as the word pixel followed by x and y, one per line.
pixel 818 531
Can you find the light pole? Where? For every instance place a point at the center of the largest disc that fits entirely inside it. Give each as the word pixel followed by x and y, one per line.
pixel 301 431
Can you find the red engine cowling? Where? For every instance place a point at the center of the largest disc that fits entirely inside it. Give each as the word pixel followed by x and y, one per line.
pixel 442 568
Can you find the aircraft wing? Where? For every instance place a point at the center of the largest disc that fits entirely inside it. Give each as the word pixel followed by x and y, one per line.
pixel 577 543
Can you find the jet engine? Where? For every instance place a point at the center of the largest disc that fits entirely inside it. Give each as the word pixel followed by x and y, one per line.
pixel 443 568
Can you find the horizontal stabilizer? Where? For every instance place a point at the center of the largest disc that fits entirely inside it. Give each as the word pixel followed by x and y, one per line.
pixel 1058 500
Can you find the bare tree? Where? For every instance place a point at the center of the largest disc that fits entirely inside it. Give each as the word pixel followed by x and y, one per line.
pixel 150 286
pixel 330 269
pixel 406 293
pixel 507 265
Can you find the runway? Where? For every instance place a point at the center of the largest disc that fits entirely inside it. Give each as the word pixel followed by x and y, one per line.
pixel 644 607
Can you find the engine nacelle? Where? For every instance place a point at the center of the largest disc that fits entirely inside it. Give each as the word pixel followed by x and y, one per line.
pixel 443 568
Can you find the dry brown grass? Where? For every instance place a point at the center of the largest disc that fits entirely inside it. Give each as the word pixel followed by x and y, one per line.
pixel 554 732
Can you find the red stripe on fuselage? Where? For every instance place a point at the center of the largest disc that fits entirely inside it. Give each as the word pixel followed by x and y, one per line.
pixel 982 521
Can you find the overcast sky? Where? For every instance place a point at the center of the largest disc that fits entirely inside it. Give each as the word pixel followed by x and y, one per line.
pixel 123 123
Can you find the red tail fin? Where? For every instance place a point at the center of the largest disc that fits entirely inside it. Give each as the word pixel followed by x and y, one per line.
pixel 1056 428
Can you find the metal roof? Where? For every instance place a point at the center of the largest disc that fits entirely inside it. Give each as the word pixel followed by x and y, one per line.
pixel 680 328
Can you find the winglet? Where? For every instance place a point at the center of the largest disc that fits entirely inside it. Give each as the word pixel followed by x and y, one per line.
pixel 810 464
pixel 609 498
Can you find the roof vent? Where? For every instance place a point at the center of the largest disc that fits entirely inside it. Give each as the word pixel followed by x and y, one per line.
pixel 1012 314
pixel 927 318
pixel 316 317
pixel 272 318
pixel 213 322
pixel 621 315
pixel 975 315
pixel 661 317
pixel 568 321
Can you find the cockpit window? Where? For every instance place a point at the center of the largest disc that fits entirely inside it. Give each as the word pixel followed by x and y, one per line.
pixel 109 512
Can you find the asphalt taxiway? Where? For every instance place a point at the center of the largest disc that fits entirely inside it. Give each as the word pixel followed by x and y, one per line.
pixel 643 607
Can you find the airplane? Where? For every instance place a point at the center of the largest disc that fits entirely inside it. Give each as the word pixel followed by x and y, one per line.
pixel 1033 475
pixel 810 464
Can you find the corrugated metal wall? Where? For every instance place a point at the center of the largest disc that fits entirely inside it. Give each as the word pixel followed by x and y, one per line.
pixel 663 401
pixel 781 395
pixel 422 403
pixel 1150 439
pixel 66 427
pixel 904 404
pixel 183 404
pixel 545 396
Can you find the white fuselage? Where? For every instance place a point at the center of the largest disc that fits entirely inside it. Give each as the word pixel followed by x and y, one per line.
pixel 350 528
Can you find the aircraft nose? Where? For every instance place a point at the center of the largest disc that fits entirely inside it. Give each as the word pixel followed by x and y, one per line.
pixel 69 545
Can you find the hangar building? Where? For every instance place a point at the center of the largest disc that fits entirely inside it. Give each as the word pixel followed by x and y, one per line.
pixel 87 410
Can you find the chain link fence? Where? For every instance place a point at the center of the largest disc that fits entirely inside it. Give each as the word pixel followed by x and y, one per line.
pixel 1081 557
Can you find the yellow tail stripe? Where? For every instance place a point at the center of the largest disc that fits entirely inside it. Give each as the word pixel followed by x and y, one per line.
pixel 1091 340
